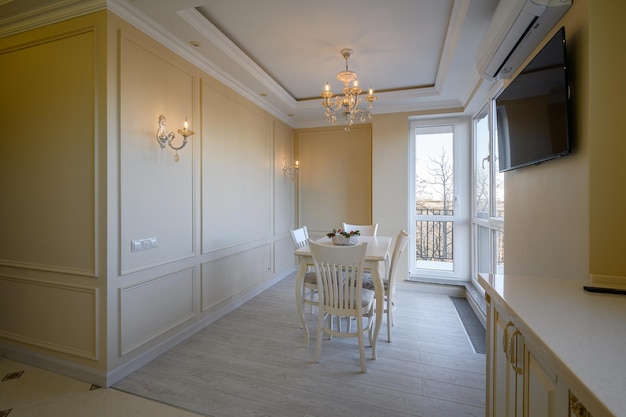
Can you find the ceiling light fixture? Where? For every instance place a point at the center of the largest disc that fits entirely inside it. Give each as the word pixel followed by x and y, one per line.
pixel 348 104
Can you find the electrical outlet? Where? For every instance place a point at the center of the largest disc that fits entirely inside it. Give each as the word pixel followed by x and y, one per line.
pixel 143 244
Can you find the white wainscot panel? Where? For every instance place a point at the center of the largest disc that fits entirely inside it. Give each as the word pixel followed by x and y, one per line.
pixel 156 192
pixel 225 278
pixel 62 318
pixel 152 308
pixel 284 185
pixel 237 188
pixel 283 257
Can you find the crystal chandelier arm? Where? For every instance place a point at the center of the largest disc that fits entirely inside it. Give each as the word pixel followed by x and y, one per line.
pixel 348 104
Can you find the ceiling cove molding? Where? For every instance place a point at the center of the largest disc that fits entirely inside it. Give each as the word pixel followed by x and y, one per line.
pixel 158 33
pixel 475 88
pixel 443 106
pixel 49 14
pixel 453 33
pixel 207 29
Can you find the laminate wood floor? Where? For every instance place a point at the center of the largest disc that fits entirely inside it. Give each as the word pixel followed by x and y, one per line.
pixel 253 362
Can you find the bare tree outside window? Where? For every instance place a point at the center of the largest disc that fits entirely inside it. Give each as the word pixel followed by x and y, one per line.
pixel 434 199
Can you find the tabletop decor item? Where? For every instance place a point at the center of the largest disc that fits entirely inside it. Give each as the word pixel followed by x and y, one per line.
pixel 343 238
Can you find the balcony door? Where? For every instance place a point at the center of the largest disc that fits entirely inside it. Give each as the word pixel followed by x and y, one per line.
pixel 440 199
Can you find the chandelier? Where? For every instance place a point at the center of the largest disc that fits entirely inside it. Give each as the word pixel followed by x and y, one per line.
pixel 348 105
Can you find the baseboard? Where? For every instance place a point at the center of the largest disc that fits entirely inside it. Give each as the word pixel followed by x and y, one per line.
pixel 107 378
pixel 57 365
pixel 131 366
pixel 453 288
pixel 607 279
pixel 477 310
pixel 437 286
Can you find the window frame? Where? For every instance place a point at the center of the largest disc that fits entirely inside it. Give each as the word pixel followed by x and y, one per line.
pixel 461 126
pixel 494 223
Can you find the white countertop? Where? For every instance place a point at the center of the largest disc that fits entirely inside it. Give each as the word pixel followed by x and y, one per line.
pixel 582 335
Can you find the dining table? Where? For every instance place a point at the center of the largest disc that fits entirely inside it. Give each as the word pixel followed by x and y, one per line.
pixel 376 260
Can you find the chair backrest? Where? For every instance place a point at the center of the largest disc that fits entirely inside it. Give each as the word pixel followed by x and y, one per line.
pixel 339 272
pixel 299 237
pixel 400 246
pixel 364 229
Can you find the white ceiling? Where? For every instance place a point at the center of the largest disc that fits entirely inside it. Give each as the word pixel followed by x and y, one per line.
pixel 418 55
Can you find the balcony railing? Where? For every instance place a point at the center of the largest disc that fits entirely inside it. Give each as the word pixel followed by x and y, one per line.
pixel 433 238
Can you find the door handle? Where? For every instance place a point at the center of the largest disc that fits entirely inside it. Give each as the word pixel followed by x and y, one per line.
pixel 486 158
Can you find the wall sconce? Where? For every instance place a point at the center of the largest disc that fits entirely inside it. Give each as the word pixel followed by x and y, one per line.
pixel 290 171
pixel 166 138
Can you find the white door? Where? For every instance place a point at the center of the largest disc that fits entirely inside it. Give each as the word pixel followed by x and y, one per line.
pixel 440 214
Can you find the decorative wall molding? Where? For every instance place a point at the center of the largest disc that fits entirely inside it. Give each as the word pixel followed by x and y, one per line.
pixel 144 314
pixel 41 305
pixel 49 13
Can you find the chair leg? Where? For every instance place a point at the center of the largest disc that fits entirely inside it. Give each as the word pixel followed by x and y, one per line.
pixel 389 322
pixel 330 326
pixel 359 326
pixel 370 325
pixel 320 334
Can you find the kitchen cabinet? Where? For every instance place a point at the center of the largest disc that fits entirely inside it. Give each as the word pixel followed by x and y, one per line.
pixel 520 384
pixel 553 350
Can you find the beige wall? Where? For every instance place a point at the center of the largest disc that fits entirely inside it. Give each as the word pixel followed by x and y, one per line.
pixel 52 234
pixel 546 227
pixel 335 178
pixel 607 144
pixel 390 177
pixel 85 176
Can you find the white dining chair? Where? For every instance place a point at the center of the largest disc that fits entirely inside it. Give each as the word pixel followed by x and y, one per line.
pixel 341 294
pixel 389 283
pixel 300 238
pixel 364 229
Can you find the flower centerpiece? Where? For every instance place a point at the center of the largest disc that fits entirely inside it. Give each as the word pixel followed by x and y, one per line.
pixel 343 238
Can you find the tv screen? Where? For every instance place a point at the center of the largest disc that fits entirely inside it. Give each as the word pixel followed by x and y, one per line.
pixel 532 112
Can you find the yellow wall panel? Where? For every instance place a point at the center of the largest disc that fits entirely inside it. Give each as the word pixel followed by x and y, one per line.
pixel 335 178
pixel 49 319
pixel 47 156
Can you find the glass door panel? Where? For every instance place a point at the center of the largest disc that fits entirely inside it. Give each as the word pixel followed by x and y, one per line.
pixel 434 198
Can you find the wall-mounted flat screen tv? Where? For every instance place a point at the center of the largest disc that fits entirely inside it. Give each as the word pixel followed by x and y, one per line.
pixel 533 111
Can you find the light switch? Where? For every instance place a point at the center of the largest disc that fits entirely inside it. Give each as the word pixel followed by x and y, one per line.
pixel 143 244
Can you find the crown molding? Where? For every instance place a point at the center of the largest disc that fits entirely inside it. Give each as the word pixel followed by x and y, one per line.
pixel 48 14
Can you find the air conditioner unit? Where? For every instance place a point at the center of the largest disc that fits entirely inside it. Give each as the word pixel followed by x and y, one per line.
pixel 517 27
